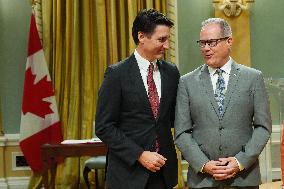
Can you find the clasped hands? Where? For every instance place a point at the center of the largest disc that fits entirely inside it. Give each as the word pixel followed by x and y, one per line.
pixel 222 169
pixel 152 160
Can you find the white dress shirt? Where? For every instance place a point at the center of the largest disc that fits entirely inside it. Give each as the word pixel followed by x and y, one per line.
pixel 143 65
pixel 226 74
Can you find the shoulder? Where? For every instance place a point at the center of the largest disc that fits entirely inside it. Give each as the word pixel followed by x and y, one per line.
pixel 169 67
pixel 247 69
pixel 121 66
pixel 248 72
pixel 195 73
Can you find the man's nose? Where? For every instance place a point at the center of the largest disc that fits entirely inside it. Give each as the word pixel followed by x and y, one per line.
pixel 166 44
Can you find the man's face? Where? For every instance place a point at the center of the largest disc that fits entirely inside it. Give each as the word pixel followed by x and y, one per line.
pixel 214 56
pixel 153 46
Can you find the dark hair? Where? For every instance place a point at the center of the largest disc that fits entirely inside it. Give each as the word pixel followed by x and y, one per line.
pixel 146 22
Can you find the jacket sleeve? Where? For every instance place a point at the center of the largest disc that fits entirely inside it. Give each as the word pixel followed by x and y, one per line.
pixel 261 122
pixel 107 119
pixel 183 130
pixel 177 75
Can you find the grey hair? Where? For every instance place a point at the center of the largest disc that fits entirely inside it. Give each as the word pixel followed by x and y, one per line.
pixel 226 30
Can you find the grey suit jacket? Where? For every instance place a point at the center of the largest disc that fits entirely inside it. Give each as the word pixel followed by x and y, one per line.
pixel 202 134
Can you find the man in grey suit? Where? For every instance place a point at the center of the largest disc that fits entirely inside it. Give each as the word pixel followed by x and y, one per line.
pixel 136 109
pixel 222 115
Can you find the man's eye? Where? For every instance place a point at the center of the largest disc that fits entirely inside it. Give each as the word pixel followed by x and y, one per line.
pixel 163 39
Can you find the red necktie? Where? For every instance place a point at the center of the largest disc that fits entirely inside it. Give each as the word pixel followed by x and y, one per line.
pixel 152 91
pixel 153 98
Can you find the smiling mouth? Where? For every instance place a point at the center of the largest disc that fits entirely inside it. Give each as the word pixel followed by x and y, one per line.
pixel 208 56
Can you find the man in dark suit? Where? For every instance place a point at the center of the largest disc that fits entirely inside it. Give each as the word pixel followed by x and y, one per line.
pixel 222 115
pixel 135 110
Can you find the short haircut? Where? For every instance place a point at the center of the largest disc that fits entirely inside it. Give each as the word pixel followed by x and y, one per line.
pixel 146 22
pixel 226 30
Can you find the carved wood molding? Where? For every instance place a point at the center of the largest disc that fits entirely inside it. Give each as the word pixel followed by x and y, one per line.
pixel 232 8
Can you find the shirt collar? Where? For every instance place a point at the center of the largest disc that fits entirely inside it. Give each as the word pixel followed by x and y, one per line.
pixel 142 62
pixel 226 68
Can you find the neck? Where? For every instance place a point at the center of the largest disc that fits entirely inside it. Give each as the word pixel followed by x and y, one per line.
pixel 223 63
pixel 143 54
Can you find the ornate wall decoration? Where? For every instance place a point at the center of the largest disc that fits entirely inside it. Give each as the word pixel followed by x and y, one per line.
pixel 232 8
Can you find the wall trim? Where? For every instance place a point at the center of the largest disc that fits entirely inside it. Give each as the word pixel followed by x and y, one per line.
pixel 276 172
pixel 18 182
pixel 3 140
pixel 14 182
pixel 3 183
pixel 276 134
pixel 10 140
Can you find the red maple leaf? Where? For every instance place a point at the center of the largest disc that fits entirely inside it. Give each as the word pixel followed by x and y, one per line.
pixel 34 94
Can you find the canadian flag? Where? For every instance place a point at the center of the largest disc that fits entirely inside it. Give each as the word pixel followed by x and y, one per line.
pixel 40 122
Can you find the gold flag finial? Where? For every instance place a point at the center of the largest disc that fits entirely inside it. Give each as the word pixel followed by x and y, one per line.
pixel 33 3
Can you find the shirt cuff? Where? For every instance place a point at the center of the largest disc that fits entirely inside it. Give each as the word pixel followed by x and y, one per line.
pixel 239 164
pixel 201 170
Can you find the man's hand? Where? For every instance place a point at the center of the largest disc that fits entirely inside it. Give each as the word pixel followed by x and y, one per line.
pixel 212 166
pixel 152 160
pixel 228 171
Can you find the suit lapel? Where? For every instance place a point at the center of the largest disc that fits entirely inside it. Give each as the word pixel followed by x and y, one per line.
pixel 136 78
pixel 208 88
pixel 164 79
pixel 233 81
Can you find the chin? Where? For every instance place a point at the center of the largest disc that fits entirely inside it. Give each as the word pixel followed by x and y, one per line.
pixel 209 63
pixel 160 56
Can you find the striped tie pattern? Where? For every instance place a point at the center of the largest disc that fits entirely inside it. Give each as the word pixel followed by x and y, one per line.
pixel 220 91
pixel 152 92
pixel 153 98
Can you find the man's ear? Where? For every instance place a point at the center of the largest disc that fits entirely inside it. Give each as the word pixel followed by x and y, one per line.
pixel 230 41
pixel 141 37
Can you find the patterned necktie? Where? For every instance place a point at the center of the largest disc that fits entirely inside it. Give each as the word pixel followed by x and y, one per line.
pixel 153 98
pixel 152 91
pixel 220 91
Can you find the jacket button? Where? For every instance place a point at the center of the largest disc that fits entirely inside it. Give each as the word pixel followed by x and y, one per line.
pixel 220 147
pixel 221 128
